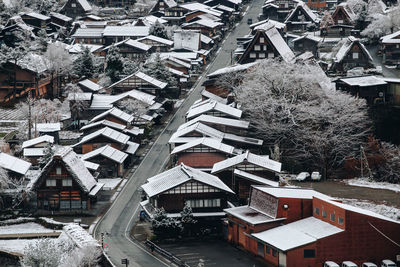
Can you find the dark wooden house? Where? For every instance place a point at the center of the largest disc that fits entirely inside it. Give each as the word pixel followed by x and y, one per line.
pixel 36 20
pixel 131 49
pixel 343 15
pixel 300 18
pixel 390 48
pixel 115 3
pixel 278 9
pixel 16 168
pixel 65 184
pixel 158 44
pixel 76 8
pixel 306 43
pixel 35 148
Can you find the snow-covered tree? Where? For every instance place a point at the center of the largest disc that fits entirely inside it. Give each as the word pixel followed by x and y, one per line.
pixel 130 66
pixel 42 40
pixel 159 30
pixel 48 154
pixel 83 65
pixel 158 70
pixel 45 252
pixel 8 183
pixel 87 256
pixel 383 24
pixel 326 20
pixel 164 226
pixel 295 107
pixel 114 64
pixel 76 105
pixel 188 221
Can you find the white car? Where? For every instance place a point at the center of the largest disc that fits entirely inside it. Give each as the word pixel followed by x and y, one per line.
pixel 315 176
pixel 302 176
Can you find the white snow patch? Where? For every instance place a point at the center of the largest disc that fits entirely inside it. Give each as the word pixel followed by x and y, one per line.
pixel 365 182
pixel 385 210
pixel 24 228
pixel 16 245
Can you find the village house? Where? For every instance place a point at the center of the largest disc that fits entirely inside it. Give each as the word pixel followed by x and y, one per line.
pixel 212 108
pixel 114 115
pixel 76 8
pixel 159 44
pixel 11 32
pixel 390 48
pixel 351 54
pixel 266 44
pixel 306 43
pixel 35 148
pixel 161 6
pixel 53 129
pixel 343 19
pixel 300 18
pixel 277 10
pixel 207 27
pixel 131 49
pixel 35 20
pixel 115 3
pixel 246 169
pixel 60 19
pixel 266 24
pixel 92 36
pixel 203 153
pixel 89 86
pixel 181 65
pixel 114 34
pixel 15 167
pixel 234 4
pixel 65 185
pixel 182 185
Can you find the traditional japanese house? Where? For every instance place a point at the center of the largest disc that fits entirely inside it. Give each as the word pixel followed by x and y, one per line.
pixel 266 24
pixel 114 115
pixel 159 44
pixel 131 49
pixel 213 108
pixel 223 124
pixel 203 153
pixel 139 81
pixel 343 15
pixel 206 194
pixel 300 18
pixel 177 64
pixel 278 10
pixel 111 161
pixel 16 168
pixel 115 3
pixel 390 47
pixel 306 43
pixel 93 36
pixel 207 27
pixel 243 170
pixel 100 138
pixel 76 8
pixel 114 34
pixel 266 44
pixel 89 86
pixel 65 185
pixel 60 19
pixel 208 95
pixel 35 148
pixel 234 4
pixel 317 4
pixel 36 20
pixel 351 54
pixel 163 5
pixel 51 129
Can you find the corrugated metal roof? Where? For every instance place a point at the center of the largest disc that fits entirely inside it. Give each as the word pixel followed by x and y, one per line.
pixel 212 105
pixel 41 139
pixel 107 152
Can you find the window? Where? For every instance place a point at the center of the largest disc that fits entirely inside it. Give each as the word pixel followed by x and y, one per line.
pixel 341 220
pixel 252 55
pixel 261 40
pixel 274 252
pixel 355 55
pixel 58 170
pixel 260 249
pixel 309 253
pixel 340 21
pixel 67 182
pixel 51 182
pixel 300 44
pixel 271 55
pixel 261 55
pixel 316 211
pixel 268 250
pixel 323 213
pixel 332 217
pixel 257 48
pixel 73 4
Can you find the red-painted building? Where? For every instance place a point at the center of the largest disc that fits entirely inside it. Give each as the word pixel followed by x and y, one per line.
pixel 300 227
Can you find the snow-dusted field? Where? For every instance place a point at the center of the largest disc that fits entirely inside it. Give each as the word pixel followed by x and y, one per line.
pixel 24 228
pixel 16 245
pixel 388 211
pixel 364 182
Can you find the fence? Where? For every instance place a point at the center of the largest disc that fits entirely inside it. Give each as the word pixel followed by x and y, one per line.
pixel 165 254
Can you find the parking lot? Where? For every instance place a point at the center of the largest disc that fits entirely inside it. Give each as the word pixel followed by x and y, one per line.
pixel 213 253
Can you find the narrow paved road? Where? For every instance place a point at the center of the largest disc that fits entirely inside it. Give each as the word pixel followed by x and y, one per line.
pixel 119 219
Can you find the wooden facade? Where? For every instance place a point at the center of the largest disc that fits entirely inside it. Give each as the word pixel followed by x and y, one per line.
pixel 300 18
pixel 141 82
pixel 343 15
pixel 76 8
pixel 390 48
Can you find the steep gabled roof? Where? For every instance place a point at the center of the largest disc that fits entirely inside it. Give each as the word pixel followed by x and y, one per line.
pixel 107 152
pixel 180 175
pixel 75 167
pixel 261 161
pixel 347 11
pixel 393 38
pixel 304 9
pixel 346 47
pixel 108 133
pixel 38 140
pixel 212 105
pixel 14 164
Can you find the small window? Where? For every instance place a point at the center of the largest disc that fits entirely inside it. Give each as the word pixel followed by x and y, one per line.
pixel 51 182
pixel 260 249
pixel 355 55
pixel 340 21
pixel 257 48
pixel 261 40
pixel 271 55
pixel 324 213
pixel 397 46
pixel 274 252
pixel 341 220
pixel 252 55
pixel 332 217
pixel 67 182
pixel 73 4
pixel 268 250
pixel 309 253
pixel 261 55
pixel 58 170
pixel 316 211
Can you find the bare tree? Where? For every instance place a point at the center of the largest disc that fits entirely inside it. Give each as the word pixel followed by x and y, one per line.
pixel 133 106
pixel 295 107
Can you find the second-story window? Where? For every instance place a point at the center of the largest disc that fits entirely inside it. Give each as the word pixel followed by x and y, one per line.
pixel 58 170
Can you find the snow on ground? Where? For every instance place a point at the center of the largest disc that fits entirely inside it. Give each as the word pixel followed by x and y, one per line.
pixel 178 103
pixel 24 228
pixel 16 245
pixel 365 182
pixel 388 211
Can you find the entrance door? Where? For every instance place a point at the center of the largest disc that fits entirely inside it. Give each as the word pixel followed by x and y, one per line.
pixel 282 259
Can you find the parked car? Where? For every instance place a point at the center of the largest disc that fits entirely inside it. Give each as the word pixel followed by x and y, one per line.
pixel 388 263
pixel 331 264
pixel 349 264
pixel 369 264
pixel 315 176
pixel 302 176
pixel 249 21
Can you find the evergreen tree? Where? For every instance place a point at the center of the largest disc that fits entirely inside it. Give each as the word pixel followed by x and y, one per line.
pixel 42 40
pixel 188 220
pixel 48 154
pixel 114 64
pixel 159 30
pixel 164 226
pixel 83 64
pixel 159 71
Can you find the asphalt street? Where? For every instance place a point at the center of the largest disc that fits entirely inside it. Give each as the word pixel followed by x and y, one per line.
pixel 118 221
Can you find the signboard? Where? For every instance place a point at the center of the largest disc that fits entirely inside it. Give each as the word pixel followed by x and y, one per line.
pixel 124 261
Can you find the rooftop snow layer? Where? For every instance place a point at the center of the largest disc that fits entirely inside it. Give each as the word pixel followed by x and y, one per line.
pixel 14 164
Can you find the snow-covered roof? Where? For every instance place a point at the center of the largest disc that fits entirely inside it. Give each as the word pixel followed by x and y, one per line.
pixel 91 166
pixel 268 23
pixel 92 86
pixel 173 59
pixel 144 77
pixel 153 19
pixel 34 62
pixel 280 45
pixel 347 45
pixel 217 120
pixel 78 48
pixel 205 39
pixel 204 22
pixel 107 152
pixel 249 215
pixel 232 69
pixel 116 112
pixel 38 140
pixel 111 124
pixel 357 210
pixel 132 43
pixel 347 10
pixel 302 5
pixel 106 132
pixel 60 16
pixel 85 5
pixel 198 127
pixel 156 39
pixel 309 37
pixel 298 233
pixel 80 236
pixel 363 81
pixel 290 192
pixel 79 96
pixel 34 152
pixel 102 101
pixel 177 72
pixel 14 164
pixel 134 131
pixel 213 106
pixel 48 127
pixel 170 3
pixel 261 161
pixel 128 31
pixel 180 175
pixel 255 178
pixel 391 38
pixel 132 148
pixel 37 16
pixel 88 33
pixel 195 6
pixel 224 8
pixel 212 96
pixel 206 141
